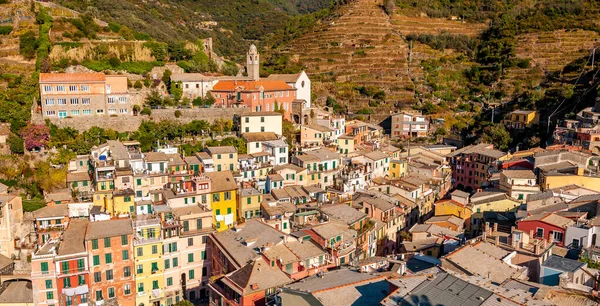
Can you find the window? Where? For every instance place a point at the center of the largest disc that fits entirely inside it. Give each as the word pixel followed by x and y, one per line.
pixel 50 295
pixel 123 111
pixel 203 255
pixel 112 111
pixel 191 274
pixel 216 198
pixel 126 272
pixel 86 101
pixel 140 269
pixel 154 249
pixel 108 258
pixel 122 99
pixel 99 111
pixel 205 271
pixel 111 100
pixel 48 284
pixel 96 260
pixel 85 87
pixel 140 252
pixel 99 295
pixel 227 195
pixel 109 274
pixel 154 266
pixel 107 242
pixel 140 287
pixel 111 292
pixel 64 266
pixel 67 282
pixel 61 88
pixel 48 88
pixel 198 223
pixel 127 289
pixel 175 262
pixel 61 101
pixel 74 101
pixel 80 265
pixel 558 236
pixel 169 281
pixel 86 112
pixel 49 101
pixel 124 240
pixel 190 257
pixel 539 232
pixel 97 277
pixel 228 210
pixel 154 284
pixel 262 119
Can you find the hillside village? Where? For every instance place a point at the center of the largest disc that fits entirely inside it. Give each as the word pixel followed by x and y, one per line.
pixel 198 181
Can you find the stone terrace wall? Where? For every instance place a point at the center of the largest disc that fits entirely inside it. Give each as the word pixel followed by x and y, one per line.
pixel 132 123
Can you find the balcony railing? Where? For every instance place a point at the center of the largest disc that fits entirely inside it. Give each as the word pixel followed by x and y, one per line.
pixel 143 240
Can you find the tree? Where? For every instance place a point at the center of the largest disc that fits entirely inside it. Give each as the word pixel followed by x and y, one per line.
pixel 497 135
pixel 35 136
pixel 176 90
pixel 177 113
pixel 136 109
pixel 138 85
pixel 126 33
pixel 184 303
pixel 16 144
pixel 28 44
pixel 146 111
pixel 166 78
pixel 154 99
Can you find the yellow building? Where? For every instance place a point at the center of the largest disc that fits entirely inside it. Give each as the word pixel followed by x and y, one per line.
pixel 149 265
pixel 398 168
pixel 492 201
pixel 345 144
pixel 521 119
pixel 223 199
pixel 446 207
pixel 557 180
pixel 224 158
pixel 122 203
pixel 249 203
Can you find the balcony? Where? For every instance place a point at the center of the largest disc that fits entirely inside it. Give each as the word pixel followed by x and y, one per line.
pixel 138 240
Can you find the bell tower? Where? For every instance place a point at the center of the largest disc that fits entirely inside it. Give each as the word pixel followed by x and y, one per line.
pixel 253 63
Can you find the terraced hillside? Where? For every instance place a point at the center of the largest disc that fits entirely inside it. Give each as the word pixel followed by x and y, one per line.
pixel 364 47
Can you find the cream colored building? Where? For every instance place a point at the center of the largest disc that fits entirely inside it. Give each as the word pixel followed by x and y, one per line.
pixel 261 122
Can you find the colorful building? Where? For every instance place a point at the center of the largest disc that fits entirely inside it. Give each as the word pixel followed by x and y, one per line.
pixel 111 257
pixel 521 119
pixel 149 265
pixel 223 199
pixel 549 226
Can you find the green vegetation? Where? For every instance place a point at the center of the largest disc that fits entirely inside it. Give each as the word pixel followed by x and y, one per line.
pixel 131 67
pixel 33 204
pixel 461 43
pixel 5 30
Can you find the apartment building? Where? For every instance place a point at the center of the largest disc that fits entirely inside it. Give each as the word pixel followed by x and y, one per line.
pixel 83 94
pixel 407 125
pixel 472 166
pixel 110 254
pixel 253 122
pixel 224 158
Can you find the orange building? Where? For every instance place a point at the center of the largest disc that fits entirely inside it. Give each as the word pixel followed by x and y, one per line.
pixel 110 257
pixel 259 96
pixel 83 94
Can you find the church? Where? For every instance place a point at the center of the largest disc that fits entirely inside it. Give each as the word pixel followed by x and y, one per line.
pixel 287 93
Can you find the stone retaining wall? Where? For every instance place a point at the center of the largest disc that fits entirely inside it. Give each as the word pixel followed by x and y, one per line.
pixel 132 123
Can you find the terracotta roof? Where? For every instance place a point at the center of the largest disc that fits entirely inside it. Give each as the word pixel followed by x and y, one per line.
pixel 267 85
pixel 221 181
pixel 550 218
pixel 109 228
pixel 221 150
pixel 156 157
pixel 260 136
pixel 318 127
pixel 519 174
pixel 257 276
pixel 73 238
pixel 288 78
pixel 71 77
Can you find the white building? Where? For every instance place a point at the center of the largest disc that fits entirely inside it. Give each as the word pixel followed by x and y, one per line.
pixel 196 85
pixel 278 149
pixel 300 81
pixel 407 125
pixel 377 162
pixel 519 183
pixel 261 122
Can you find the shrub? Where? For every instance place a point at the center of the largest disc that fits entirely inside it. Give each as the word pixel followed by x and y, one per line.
pixel 146 111
pixel 5 30
pixel 177 113
pixel 114 62
pixel 28 44
pixel 138 85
